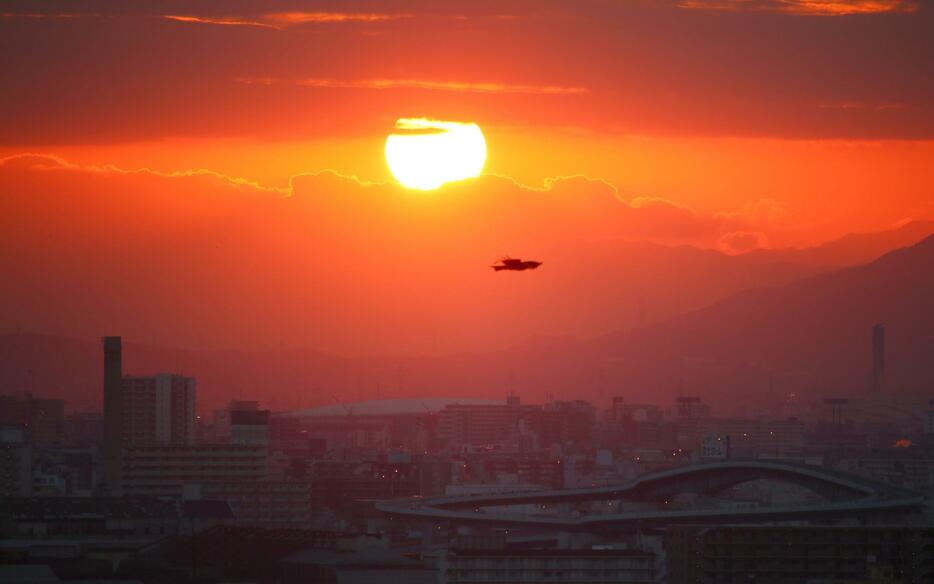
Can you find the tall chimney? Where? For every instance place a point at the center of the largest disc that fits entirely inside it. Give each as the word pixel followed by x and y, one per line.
pixel 878 359
pixel 113 409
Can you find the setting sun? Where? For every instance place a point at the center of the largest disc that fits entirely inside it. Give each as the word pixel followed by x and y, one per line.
pixel 429 153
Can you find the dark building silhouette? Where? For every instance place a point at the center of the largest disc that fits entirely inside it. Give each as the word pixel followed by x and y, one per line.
pixel 41 420
pixel 799 553
pixel 878 358
pixel 113 407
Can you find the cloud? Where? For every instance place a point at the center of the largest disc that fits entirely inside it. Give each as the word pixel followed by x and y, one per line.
pixel 326 260
pixel 281 20
pixel 560 208
pixel 737 242
pixel 805 7
pixel 40 15
pixel 292 18
pixel 765 211
pixel 431 85
pixel 47 162
pixel 862 105
pixel 219 21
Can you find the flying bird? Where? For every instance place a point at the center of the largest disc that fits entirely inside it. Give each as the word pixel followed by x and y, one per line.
pixel 514 264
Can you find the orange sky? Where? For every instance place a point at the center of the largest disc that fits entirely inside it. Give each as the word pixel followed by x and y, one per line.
pixel 705 122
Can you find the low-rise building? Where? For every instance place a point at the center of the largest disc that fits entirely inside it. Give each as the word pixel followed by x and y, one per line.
pixel 910 468
pixel 776 553
pixel 15 464
pixel 167 470
pixel 548 565
pixel 42 420
pixel 758 438
pixel 270 504
pixel 74 517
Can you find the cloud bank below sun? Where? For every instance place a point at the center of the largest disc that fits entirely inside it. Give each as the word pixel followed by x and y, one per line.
pixel 329 261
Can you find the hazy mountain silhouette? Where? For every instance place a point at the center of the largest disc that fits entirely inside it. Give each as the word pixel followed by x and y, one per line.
pixel 849 250
pixel 812 335
pixel 815 332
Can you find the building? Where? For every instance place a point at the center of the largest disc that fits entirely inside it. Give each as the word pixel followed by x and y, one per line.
pixel 82 517
pixel 222 416
pixel 927 428
pixel 503 467
pixel 349 487
pixel 158 410
pixel 482 424
pixel 41 420
pixel 169 471
pixel 715 448
pixel 84 429
pixel 355 559
pixel 548 565
pixel 909 468
pixel 565 422
pixel 761 438
pixel 113 407
pixel 269 504
pixel 142 410
pixel 249 427
pixel 768 554
pixel 15 464
pixel 397 424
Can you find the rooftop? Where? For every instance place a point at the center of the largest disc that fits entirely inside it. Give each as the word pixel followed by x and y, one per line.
pixel 388 407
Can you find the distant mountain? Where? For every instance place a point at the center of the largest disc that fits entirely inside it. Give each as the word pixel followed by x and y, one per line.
pixel 817 330
pixel 813 336
pixel 849 250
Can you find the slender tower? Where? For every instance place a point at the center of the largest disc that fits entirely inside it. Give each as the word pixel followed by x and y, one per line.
pixel 113 409
pixel 878 359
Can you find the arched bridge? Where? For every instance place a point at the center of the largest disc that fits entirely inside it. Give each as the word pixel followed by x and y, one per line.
pixel 841 496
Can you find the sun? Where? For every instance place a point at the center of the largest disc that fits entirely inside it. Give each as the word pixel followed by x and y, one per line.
pixel 428 153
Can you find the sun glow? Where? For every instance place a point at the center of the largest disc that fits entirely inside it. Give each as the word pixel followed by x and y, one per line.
pixel 428 153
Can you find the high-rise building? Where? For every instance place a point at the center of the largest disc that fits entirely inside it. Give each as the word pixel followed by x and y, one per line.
pixel 158 410
pixel 878 358
pixel 155 410
pixel 113 411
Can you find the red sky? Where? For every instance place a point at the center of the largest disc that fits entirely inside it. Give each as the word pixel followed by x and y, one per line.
pixel 242 137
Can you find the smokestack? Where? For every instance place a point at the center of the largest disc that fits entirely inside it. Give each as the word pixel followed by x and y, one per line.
pixel 113 408
pixel 878 359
